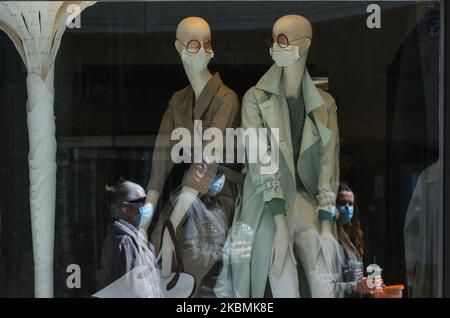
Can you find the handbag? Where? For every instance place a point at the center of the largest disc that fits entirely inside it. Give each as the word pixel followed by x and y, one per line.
pixel 179 284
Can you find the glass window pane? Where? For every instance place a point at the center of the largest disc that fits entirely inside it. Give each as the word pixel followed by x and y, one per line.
pixel 87 139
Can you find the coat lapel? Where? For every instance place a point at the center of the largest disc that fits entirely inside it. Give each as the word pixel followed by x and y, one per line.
pixel 315 128
pixel 185 110
pixel 206 96
pixel 183 113
pixel 276 114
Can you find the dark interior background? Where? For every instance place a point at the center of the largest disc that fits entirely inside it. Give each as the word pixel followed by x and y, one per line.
pixel 115 75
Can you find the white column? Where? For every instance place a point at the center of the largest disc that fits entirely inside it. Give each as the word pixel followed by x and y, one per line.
pixel 36 28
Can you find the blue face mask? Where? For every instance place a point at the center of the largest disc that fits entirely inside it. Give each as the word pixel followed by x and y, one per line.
pixel 144 214
pixel 346 213
pixel 216 186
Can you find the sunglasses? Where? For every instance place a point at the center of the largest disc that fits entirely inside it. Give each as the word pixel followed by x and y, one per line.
pixel 282 40
pixel 193 46
pixel 139 201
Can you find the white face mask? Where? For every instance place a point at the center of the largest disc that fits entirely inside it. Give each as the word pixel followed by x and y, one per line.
pixel 284 56
pixel 198 61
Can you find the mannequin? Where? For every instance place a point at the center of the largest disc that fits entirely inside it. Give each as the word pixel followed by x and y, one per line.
pixel 296 27
pixel 209 100
pixel 295 210
pixel 420 236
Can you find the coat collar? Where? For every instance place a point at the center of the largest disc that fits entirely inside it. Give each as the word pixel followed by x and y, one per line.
pixel 121 227
pixel 271 83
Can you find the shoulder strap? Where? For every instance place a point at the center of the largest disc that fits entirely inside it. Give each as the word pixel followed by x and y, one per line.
pixel 180 266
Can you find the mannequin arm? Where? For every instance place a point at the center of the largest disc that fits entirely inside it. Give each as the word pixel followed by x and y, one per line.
pixel 326 226
pixel 184 201
pixel 152 197
pixel 329 169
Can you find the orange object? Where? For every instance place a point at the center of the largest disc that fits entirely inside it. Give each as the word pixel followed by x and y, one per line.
pixel 392 291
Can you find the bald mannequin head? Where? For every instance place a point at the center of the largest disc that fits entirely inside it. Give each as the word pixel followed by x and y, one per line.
pixel 196 55
pixel 192 28
pixel 297 29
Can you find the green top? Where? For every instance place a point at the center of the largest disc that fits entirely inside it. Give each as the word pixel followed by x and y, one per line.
pixel 297 114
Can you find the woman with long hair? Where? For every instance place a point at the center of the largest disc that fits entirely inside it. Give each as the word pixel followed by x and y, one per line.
pixel 351 241
pixel 350 235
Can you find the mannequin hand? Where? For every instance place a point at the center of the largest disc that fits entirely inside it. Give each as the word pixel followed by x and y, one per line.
pixel 240 252
pixel 166 254
pixel 280 245
pixel 240 244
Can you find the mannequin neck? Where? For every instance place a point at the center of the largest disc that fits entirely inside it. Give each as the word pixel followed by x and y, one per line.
pixel 198 80
pixel 292 77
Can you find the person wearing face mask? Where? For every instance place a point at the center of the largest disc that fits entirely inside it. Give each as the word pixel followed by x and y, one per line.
pixel 125 246
pixel 209 100
pixel 351 242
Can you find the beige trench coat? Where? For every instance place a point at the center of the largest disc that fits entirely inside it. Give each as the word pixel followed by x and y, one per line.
pixel 217 106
